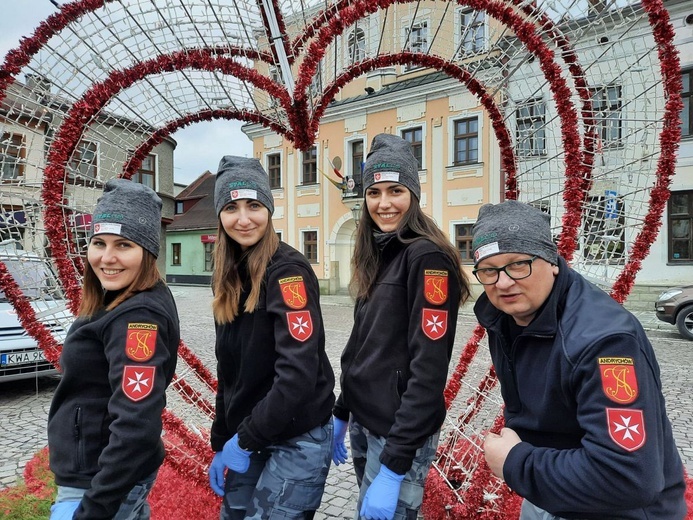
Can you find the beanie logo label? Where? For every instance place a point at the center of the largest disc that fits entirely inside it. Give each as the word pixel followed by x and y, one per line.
pixel 486 250
pixel 294 292
pixel 243 194
pixel 107 227
pixel 385 177
pixel 435 286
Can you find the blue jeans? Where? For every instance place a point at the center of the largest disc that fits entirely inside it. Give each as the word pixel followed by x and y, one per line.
pixel 365 451
pixel 284 481
pixel 133 507
pixel 531 512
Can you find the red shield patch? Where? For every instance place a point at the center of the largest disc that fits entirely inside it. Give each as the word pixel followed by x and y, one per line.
pixel 140 344
pixel 434 323
pixel 626 427
pixel 138 381
pixel 435 286
pixel 300 324
pixel 294 292
pixel 618 379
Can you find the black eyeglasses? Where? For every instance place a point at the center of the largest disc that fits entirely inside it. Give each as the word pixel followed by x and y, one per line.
pixel 515 270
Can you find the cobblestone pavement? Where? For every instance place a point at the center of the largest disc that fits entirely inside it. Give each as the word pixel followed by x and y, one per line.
pixel 24 404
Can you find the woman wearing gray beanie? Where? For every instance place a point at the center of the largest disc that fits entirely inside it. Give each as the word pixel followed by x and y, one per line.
pixel 409 284
pixel 273 430
pixel 104 424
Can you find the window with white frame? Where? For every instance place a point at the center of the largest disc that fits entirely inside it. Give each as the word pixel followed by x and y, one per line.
pixel 416 40
pixel 274 170
pixel 604 229
pixel 463 241
pixel 356 45
pixel 310 166
pixel 530 118
pixel 606 111
pixel 84 160
pixel 680 226
pixel 471 36
pixel 686 97
pixel 175 253
pixel 209 256
pixel 147 173
pixel 466 141
pixel 12 155
pixel 414 136
pixel 310 246
pixel 276 76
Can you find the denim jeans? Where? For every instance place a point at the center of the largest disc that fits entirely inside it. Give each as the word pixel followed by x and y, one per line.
pixel 365 451
pixel 133 507
pixel 284 481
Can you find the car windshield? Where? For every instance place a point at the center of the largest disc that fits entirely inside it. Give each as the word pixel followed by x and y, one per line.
pixel 34 277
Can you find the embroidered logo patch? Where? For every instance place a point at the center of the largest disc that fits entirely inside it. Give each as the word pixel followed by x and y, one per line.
pixel 294 292
pixel 435 286
pixel 140 344
pixel 300 324
pixel 626 427
pixel 138 381
pixel 434 323
pixel 618 379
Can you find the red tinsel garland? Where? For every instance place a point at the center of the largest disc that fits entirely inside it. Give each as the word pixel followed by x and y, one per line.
pixel 470 349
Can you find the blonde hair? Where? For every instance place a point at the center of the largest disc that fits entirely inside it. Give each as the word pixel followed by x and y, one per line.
pixel 93 293
pixel 227 284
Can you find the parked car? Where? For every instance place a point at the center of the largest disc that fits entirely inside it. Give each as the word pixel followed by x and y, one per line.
pixel 675 306
pixel 20 355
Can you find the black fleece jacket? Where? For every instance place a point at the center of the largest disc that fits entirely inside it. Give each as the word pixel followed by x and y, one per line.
pixel 395 364
pixel 275 379
pixel 582 390
pixel 104 424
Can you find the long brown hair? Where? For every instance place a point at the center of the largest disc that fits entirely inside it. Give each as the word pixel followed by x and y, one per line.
pixel 227 284
pixel 93 294
pixel 366 260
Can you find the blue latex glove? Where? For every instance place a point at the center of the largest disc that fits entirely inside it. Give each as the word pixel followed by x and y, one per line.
pixel 234 457
pixel 216 474
pixel 64 510
pixel 380 501
pixel 339 451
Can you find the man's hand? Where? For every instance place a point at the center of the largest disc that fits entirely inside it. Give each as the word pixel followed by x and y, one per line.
pixel 380 501
pixel 497 447
pixel 234 457
pixel 339 451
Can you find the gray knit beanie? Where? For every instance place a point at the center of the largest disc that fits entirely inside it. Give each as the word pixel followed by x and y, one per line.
pixel 513 227
pixel 241 178
pixel 131 210
pixel 391 160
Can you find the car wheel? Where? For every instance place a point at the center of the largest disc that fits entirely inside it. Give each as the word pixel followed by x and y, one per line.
pixel 684 322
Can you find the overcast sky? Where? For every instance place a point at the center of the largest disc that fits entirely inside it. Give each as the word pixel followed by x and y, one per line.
pixel 200 146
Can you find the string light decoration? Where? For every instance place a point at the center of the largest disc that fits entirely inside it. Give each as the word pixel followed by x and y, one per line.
pixel 583 98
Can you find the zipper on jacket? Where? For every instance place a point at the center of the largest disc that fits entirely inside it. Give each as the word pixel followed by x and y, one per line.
pixel 77 425
pixel 401 386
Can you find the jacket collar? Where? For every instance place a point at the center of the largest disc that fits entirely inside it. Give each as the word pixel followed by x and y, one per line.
pixel 545 323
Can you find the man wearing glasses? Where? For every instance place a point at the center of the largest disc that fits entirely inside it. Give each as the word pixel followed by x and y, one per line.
pixel 586 433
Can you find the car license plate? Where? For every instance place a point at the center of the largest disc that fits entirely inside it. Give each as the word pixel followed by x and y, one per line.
pixel 21 358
